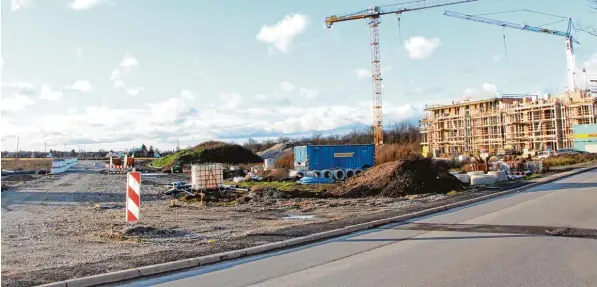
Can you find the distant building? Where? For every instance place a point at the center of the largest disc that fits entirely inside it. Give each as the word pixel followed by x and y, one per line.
pixel 532 122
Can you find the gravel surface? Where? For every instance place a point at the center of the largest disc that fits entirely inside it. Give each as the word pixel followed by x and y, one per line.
pixel 57 227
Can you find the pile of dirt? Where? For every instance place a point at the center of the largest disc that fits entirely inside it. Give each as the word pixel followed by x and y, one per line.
pixel 399 178
pixel 212 152
pixel 274 174
pixel 228 153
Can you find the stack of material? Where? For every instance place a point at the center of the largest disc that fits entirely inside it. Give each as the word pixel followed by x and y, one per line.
pixel 399 178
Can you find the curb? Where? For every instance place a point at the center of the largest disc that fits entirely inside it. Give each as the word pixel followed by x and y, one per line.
pixel 128 274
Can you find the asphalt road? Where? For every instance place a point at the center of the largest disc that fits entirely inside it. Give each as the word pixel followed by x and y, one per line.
pixel 544 237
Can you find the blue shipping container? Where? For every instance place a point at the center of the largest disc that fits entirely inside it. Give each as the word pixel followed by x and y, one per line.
pixel 319 157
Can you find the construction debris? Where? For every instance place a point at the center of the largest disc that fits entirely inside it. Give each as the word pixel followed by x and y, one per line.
pixel 396 179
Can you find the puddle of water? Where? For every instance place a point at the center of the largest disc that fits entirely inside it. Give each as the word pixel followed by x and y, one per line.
pixel 299 217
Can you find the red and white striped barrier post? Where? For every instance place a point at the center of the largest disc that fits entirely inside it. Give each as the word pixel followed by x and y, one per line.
pixel 133 196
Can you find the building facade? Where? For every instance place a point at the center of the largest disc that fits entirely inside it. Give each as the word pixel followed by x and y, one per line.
pixel 500 124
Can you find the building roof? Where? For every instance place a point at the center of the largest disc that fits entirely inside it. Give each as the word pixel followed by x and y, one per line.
pixel 464 103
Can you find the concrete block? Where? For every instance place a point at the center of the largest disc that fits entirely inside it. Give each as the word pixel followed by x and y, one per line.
pixel 463 178
pixel 475 173
pixel 483 179
pixel 204 260
pixel 264 248
pixel 332 233
pixel 103 278
pixel 355 228
pixel 297 241
pixel 55 284
pixel 233 254
pixel 500 176
pixel 165 267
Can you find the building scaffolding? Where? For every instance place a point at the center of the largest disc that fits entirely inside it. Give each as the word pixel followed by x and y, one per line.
pixel 500 124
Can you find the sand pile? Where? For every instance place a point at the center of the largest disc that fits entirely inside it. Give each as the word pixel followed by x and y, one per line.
pixel 399 178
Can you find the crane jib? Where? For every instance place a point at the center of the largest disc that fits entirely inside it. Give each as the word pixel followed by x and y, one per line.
pixel 374 13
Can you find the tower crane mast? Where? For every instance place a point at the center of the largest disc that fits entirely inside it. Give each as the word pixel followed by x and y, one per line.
pixel 373 14
pixel 570 40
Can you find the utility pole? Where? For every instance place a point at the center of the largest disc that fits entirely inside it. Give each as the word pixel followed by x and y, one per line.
pixel 45 146
pixel 17 155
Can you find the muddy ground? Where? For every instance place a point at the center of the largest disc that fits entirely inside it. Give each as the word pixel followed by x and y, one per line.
pixel 56 227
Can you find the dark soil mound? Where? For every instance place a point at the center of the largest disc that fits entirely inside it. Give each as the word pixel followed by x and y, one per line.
pixel 228 153
pixel 213 152
pixel 399 178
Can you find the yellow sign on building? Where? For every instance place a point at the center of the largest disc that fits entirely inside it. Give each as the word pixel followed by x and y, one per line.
pixel 585 136
pixel 344 154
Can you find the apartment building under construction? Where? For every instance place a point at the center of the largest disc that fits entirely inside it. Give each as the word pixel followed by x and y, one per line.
pixel 501 124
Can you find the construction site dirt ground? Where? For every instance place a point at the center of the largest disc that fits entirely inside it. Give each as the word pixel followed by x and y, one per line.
pixel 56 227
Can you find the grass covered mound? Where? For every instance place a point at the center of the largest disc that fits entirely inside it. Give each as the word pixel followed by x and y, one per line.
pixel 211 151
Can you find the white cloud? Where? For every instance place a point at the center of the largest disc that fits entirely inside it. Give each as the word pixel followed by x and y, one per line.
pixel 261 97
pixel 282 34
pixel 81 86
pixel 119 84
pixel 162 123
pixel 129 62
pixel 420 48
pixel 309 93
pixel 366 74
pixel 287 86
pixel 85 4
pixel 115 74
pixel 171 110
pixel 187 95
pixel 230 100
pixel 22 88
pixel 15 103
pixel 363 74
pixel 48 93
pixel 15 5
pixel 134 91
pixel 497 58
pixel 78 52
pixel 591 64
pixel 487 90
pixel 123 70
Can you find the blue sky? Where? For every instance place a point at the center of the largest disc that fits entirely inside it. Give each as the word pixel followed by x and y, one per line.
pixel 115 73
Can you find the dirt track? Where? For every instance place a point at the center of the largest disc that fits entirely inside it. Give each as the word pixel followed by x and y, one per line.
pixel 72 225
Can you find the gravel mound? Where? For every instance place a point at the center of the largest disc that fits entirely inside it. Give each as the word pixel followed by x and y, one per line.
pixel 399 178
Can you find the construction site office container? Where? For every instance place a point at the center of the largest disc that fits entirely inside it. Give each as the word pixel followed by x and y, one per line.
pixel 585 138
pixel 320 157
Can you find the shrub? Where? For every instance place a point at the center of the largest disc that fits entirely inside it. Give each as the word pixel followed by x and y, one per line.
pixel 285 161
pixel 393 152
pixel 563 160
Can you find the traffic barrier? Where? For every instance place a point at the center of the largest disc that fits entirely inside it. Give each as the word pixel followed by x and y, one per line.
pixel 133 196
pixel 62 165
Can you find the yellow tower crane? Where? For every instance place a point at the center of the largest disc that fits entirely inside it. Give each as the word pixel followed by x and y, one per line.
pixel 372 14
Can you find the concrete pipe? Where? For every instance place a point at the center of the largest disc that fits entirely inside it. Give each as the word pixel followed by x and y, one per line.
pixel 349 173
pixel 327 173
pixel 357 171
pixel 316 173
pixel 339 174
pixel 300 174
